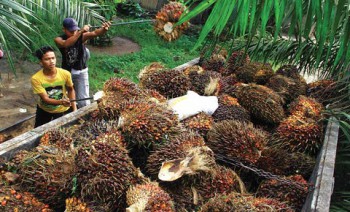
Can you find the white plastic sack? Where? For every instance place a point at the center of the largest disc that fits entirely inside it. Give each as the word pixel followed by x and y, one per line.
pixel 192 104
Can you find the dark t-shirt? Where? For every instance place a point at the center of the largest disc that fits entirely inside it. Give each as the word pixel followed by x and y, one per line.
pixel 73 56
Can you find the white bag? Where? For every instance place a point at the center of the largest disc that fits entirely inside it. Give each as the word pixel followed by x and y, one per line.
pixel 192 104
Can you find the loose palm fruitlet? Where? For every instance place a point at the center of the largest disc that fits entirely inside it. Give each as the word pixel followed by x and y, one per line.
pixel 293 192
pixel 147 123
pixel 104 173
pixel 167 17
pixel 148 197
pixel 237 140
pixel 263 103
pixel 56 137
pixel 48 175
pixel 298 134
pixel 200 123
pixel 76 205
pixel 306 107
pixel 12 200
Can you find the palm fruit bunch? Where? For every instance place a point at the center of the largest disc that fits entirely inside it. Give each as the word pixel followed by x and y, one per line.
pixel 148 197
pixel 293 190
pixel 264 104
pixel 246 73
pixel 228 202
pixel 292 71
pixel 306 107
pixel 200 123
pixel 284 86
pixel 104 172
pixel 269 204
pixel 283 162
pixel 169 83
pixel 167 17
pixel 56 137
pixel 117 91
pixel 195 68
pixel 200 82
pixel 236 140
pixel 323 90
pixel 48 173
pixel 230 109
pixel 226 84
pixel 146 123
pixel 298 134
pixel 155 96
pixel 177 147
pixel 76 205
pixel 149 69
pixel 263 72
pixel 236 59
pixel 12 200
pixel 213 59
pixel 18 158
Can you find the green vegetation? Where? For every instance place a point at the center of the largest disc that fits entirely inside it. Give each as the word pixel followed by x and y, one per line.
pixel 153 49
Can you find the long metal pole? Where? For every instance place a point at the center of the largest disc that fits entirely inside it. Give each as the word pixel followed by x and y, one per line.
pixel 126 22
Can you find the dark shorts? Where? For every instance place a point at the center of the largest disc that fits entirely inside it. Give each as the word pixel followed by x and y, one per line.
pixel 43 117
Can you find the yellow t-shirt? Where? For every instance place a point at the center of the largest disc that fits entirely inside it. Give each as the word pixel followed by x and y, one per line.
pixel 55 88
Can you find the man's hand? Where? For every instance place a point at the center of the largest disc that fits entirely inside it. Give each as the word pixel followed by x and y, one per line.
pixel 106 25
pixel 65 102
pixel 85 28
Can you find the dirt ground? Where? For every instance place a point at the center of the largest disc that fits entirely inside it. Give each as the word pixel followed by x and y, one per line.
pixel 18 103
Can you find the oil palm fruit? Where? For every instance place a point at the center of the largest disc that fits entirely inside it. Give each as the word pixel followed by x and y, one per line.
pixel 284 86
pixel 246 73
pixel 263 72
pixel 12 200
pixel 226 84
pixel 149 69
pixel 155 96
pixel 236 59
pixel 236 140
pixel 282 162
pixel 56 137
pixel 48 173
pixel 292 71
pixel 263 103
pixel 200 81
pixel 117 91
pixel 323 90
pixel 169 83
pixel 148 197
pixel 306 107
pixel 292 191
pixel 177 147
pixel 166 18
pixel 298 134
pixel 195 68
pixel 200 123
pixel 228 202
pixel 215 61
pixel 147 123
pixel 104 173
pixel 269 205
pixel 76 205
pixel 230 109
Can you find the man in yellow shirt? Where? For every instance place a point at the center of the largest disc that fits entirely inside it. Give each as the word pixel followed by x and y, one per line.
pixel 54 87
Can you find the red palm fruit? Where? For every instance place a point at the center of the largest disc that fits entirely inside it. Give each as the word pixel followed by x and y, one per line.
pixel 200 123
pixel 226 84
pixel 306 107
pixel 263 72
pixel 228 202
pixel 324 90
pixel 269 205
pixel 292 71
pixel 57 137
pixel 213 59
pixel 286 87
pixel 236 59
pixel 149 69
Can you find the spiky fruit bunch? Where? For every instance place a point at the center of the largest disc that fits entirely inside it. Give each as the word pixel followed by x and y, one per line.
pixel 148 197
pixel 147 123
pixel 204 83
pixel 76 205
pixel 225 99
pixel 263 72
pixel 236 59
pixel 200 123
pixel 230 202
pixel 286 87
pixel 56 137
pixel 246 73
pixel 283 162
pixel 230 109
pixel 178 147
pixel 269 204
pixel 104 173
pixel 169 83
pixel 149 69
pixel 292 71
pixel 226 84
pixel 168 15
pixel 195 68
pixel 293 192
pixel 12 200
pixel 263 103
pixel 48 175
pixel 237 140
pixel 155 96
pixel 306 107
pixel 213 59
pixel 298 134
pixel 117 91
pixel 323 90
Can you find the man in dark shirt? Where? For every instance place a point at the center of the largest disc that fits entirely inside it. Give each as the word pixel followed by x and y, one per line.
pixel 74 54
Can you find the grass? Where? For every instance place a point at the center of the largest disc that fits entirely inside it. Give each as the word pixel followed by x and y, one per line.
pixel 153 49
